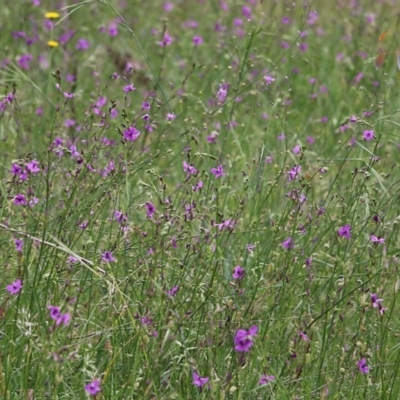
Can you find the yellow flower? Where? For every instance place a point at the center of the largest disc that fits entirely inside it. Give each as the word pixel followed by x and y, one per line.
pixel 52 43
pixel 52 15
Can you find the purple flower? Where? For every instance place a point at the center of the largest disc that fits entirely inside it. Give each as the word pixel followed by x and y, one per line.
pixel 15 287
pixel 377 303
pixel 56 315
pixel 369 135
pixel 268 79
pixel 189 169
pixel 344 231
pixel 24 60
pixel 197 40
pixel 222 92
pixel 150 209
pixel 84 224
pixel 107 256
pixel 198 380
pixel 266 379
pixel 16 169
pixel 296 149
pixel 170 116
pixel 72 260
pixel 93 388
pixel 362 366
pixel 246 12
pixel 120 216
pixel 18 244
pixel 218 172
pixel 288 244
pixel 20 200
pixel 197 186
pixel 238 273
pixel 131 134
pixel 375 239
pixel 33 167
pixel 33 202
pixel 167 40
pixel 312 17
pixel 227 224
pixel 294 173
pixel 82 44
pixel 244 340
pixel 304 336
pixel 172 292
pixel 129 88
pixel 113 29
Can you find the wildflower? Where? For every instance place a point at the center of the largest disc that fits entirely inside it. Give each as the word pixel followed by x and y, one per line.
pixel 57 316
pixel 66 37
pixel 113 29
pixel 131 134
pixel 15 287
pixel 238 273
pixel 362 366
pixel 189 169
pixel 168 6
pixel 288 244
pixel 198 380
pixel 33 202
pixel 246 12
pixel 172 292
pixel 197 40
pixel 227 224
pixel 244 339
pixel 218 172
pixel 16 169
pixel 197 186
pixel 250 247
pixel 222 92
pixel 304 336
pixel 52 15
pixel 375 239
pixel 129 88
pixel 20 200
pixel 24 60
pixel 344 231
pixel 146 106
pixel 170 116
pixel 32 167
pixel 296 149
pixel 150 209
pixel 268 79
pixel 18 244
pixel 82 44
pixel 107 256
pixel 303 47
pixel 167 40
pixel 266 379
pixel 52 43
pixel 294 173
pixel 120 217
pixel 93 388
pixel 84 224
pixel 212 137
pixel 368 135
pixel 72 260
pixel 377 303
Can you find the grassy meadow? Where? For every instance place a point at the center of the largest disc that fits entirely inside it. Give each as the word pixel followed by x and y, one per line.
pixel 199 199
